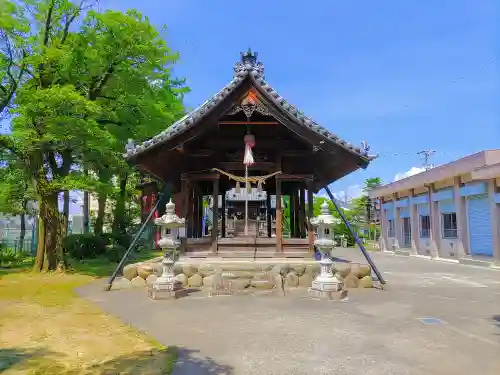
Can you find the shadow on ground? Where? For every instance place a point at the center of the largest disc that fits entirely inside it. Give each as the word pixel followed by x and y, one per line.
pixel 18 356
pixel 152 362
pixel 496 320
pixel 189 362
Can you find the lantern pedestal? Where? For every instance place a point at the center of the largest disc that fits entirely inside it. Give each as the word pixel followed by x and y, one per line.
pixel 326 283
pixel 156 294
pixel 167 286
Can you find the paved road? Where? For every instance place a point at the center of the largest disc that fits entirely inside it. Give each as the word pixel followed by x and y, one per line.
pixel 375 332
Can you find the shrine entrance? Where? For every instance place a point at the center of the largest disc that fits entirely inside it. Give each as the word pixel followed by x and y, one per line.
pixel 258 159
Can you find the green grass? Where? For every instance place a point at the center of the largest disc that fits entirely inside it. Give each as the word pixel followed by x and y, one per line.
pixel 102 267
pixel 46 329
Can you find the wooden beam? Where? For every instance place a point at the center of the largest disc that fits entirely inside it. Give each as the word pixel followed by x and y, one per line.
pixel 200 176
pixel 237 143
pixel 294 177
pixel 296 153
pixel 249 123
pixel 239 166
pixel 286 153
pixel 199 153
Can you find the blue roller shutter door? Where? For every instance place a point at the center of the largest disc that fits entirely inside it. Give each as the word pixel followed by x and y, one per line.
pixel 479 216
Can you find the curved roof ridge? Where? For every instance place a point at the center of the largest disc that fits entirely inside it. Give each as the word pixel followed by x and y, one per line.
pixel 247 67
pixel 302 118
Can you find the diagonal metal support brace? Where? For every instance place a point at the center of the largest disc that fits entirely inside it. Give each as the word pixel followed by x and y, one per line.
pixel 118 268
pixel 356 238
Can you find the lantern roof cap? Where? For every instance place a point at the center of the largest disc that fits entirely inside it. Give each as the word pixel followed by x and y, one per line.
pixel 170 219
pixel 325 217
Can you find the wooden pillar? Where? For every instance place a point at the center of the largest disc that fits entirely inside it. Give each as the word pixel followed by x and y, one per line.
pixel 190 211
pixel 196 212
pixel 302 213
pixel 293 214
pixel 182 210
pixel 279 218
pixel 223 217
pixel 296 209
pixel 310 214
pixel 200 214
pixel 268 214
pixel 215 211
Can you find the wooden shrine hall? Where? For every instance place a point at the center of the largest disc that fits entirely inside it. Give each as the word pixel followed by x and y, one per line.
pixel 247 137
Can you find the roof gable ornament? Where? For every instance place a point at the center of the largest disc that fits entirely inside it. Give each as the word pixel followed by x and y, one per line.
pixel 249 105
pixel 249 63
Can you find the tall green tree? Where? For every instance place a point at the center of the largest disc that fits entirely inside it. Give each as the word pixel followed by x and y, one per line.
pixel 131 78
pixel 371 183
pixel 91 86
pixel 360 205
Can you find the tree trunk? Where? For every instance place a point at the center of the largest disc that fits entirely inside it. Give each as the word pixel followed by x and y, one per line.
pixel 101 211
pixel 65 215
pixel 50 255
pixel 22 233
pixel 86 212
pixel 86 207
pixel 119 214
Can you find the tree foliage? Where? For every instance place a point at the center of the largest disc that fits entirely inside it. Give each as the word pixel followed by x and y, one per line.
pixel 86 82
pixel 13 30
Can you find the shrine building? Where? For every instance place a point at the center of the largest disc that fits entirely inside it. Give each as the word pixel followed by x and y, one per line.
pixel 250 141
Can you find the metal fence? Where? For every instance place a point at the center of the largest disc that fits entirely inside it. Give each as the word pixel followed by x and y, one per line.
pixel 10 238
pixel 18 246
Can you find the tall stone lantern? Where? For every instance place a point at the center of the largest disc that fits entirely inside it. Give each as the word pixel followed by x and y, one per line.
pixel 167 286
pixel 326 282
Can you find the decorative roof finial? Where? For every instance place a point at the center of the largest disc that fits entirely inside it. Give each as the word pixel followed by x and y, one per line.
pixel 249 58
pixel 248 64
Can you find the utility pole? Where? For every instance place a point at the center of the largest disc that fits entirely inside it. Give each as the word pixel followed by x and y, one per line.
pixel 426 154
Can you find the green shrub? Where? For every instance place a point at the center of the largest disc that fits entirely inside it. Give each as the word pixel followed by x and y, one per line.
pixel 9 257
pixel 113 239
pixel 115 253
pixel 84 246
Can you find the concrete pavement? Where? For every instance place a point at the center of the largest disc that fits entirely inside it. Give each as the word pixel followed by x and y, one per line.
pixel 375 332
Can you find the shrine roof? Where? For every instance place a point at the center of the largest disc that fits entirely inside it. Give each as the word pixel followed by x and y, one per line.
pixel 247 68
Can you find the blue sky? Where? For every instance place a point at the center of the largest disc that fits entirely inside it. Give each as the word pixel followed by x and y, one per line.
pixel 402 75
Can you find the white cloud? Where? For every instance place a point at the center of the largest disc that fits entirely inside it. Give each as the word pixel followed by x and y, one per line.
pixel 411 172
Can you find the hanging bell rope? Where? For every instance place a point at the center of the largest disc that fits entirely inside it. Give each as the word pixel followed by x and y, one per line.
pixel 251 179
pixel 249 144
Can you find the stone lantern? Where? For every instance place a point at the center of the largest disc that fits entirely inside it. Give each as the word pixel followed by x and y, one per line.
pixel 326 282
pixel 167 286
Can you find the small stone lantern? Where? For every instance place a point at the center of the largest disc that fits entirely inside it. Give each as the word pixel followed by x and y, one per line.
pixel 167 286
pixel 326 282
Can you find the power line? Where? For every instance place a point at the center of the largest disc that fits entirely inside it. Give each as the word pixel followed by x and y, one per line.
pixel 426 154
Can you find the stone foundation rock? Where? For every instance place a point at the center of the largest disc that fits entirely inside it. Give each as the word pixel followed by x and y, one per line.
pixel 259 275
pixel 130 271
pixel 144 270
pixel 138 282
pixel 195 281
pixel 182 278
